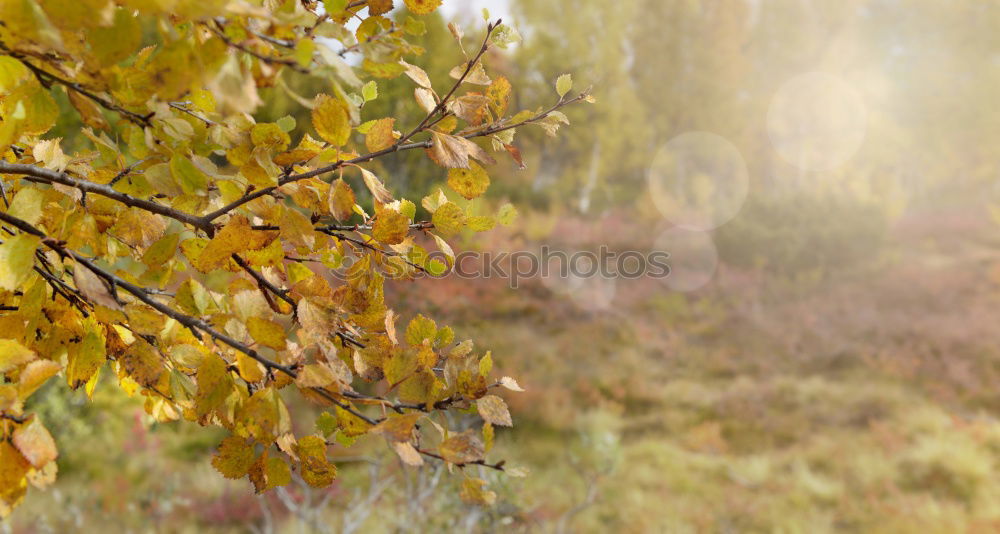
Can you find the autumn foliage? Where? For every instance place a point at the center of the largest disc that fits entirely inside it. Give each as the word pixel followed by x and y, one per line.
pixel 215 265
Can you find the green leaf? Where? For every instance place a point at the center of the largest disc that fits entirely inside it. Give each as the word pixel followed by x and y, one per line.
pixel 563 84
pixel 414 27
pixel 286 123
pixel 370 91
pixel 326 423
pixel 190 178
pixel 507 214
pixel 334 6
pixel 304 50
pixel 419 329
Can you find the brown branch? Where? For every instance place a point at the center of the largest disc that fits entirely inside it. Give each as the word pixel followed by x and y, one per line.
pixel 180 106
pixel 444 101
pixel 219 31
pixel 15 418
pixel 106 191
pixel 379 153
pixel 188 321
pixel 422 225
pixel 373 248
pixel 47 78
pixel 263 282
pixel 126 171
pixel 498 466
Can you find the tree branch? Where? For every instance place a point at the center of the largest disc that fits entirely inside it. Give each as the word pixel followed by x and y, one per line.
pixel 47 77
pixel 219 31
pixel 498 466
pixel 105 191
pixel 444 101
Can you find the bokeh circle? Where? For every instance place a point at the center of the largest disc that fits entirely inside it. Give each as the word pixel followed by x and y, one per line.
pixel 817 121
pixel 698 180
pixel 693 258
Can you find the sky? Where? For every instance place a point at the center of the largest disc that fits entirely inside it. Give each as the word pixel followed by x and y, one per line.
pixel 498 8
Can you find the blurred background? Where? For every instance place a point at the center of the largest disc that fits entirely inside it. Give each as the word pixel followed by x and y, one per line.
pixel 824 357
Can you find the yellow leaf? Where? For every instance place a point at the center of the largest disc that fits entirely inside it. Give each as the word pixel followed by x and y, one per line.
pixel 35 443
pixel 448 219
pixel 214 384
pixel 341 200
pixel 474 492
pixel 494 410
pixel 296 228
pixel 471 182
pixel 13 469
pixel 462 448
pixel 498 95
pixel 30 109
pixel 138 227
pixel 477 74
pixel 50 154
pixel 332 120
pixel 374 185
pixel 34 375
pixel 85 360
pixel 267 473
pixel 249 369
pixel 454 151
pixel 142 363
pixel 261 414
pixel 144 320
pixel 407 453
pixel 118 41
pixel 235 237
pixel 422 387
pixel 422 7
pixel 89 111
pixel 27 204
pixel 507 214
pixel 425 99
pixel 420 329
pixel 17 257
pixel 161 251
pixel 563 84
pixel 510 384
pixel 315 375
pixel 269 135
pixel 350 424
pixel 316 470
pixel 417 74
pixel 190 178
pixel 94 287
pixel 486 364
pixel 390 227
pixel 380 135
pixel 234 458
pixel 398 427
pixel 13 355
pixel 267 333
